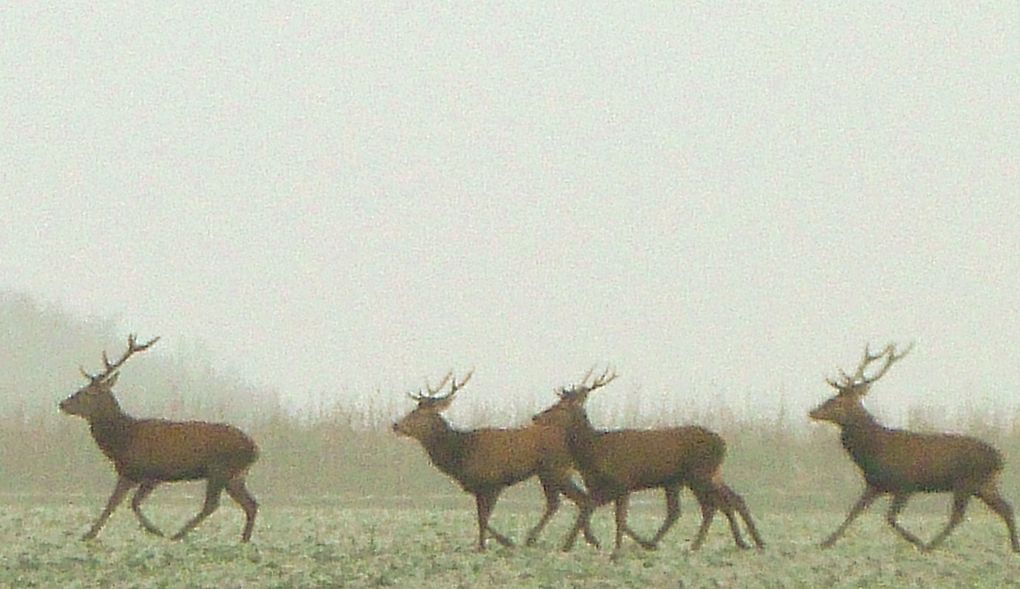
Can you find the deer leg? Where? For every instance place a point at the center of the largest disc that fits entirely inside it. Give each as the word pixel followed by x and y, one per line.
pixel 991 497
pixel 733 498
pixel 580 498
pixel 239 493
pixel 960 500
pixel 143 491
pixel 213 489
pixel 486 501
pixel 728 511
pixel 585 509
pixel 552 504
pixel 899 501
pixel 866 499
pixel 672 512
pixel 708 509
pixel 622 506
pixel 119 492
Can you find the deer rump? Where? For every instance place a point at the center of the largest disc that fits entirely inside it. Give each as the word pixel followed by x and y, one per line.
pixel 619 461
pixel 493 457
pixel 161 450
pixel 898 461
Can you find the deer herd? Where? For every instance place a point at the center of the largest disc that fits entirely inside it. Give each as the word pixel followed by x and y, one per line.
pixel 559 442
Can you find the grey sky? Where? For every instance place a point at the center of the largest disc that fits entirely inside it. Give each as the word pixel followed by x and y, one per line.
pixel 724 202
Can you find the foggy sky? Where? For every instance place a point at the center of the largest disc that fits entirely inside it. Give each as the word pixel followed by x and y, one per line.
pixel 725 203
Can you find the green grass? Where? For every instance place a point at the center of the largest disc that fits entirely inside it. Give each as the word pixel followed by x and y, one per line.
pixel 326 545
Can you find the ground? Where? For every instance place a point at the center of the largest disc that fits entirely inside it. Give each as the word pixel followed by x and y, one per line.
pixel 329 544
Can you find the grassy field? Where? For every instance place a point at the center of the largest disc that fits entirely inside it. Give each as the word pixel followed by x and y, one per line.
pixel 336 545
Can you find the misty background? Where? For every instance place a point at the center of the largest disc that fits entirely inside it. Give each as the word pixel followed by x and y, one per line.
pixel 328 204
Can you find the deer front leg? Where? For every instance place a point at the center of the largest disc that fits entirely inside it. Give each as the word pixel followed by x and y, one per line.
pixel 867 498
pixel 119 492
pixel 672 513
pixel 485 502
pixel 580 499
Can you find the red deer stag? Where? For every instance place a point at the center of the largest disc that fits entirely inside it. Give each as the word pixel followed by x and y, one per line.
pixel 901 463
pixel 147 452
pixel 616 463
pixel 486 461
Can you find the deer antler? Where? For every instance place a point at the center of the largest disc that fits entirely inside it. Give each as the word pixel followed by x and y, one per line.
pixel 111 367
pixel 583 388
pixel 433 391
pixel 859 379
pixel 893 357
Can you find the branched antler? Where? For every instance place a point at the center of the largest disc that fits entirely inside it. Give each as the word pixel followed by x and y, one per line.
pixel 111 367
pixel 858 379
pixel 433 392
pixel 583 388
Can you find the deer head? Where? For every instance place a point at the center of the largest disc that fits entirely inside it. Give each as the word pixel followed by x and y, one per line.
pixel 851 389
pixel 96 398
pixel 572 400
pixel 425 418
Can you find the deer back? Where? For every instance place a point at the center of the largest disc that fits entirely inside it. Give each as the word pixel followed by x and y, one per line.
pixel 638 459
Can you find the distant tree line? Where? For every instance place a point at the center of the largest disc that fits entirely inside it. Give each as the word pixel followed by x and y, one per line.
pixel 347 450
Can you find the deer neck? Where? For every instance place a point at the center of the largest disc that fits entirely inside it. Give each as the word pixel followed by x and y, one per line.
pixel 444 446
pixel 580 436
pixel 111 431
pixel 859 434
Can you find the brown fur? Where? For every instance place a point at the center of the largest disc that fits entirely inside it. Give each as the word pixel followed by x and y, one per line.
pixel 614 464
pixel 148 452
pixel 901 463
pixel 486 461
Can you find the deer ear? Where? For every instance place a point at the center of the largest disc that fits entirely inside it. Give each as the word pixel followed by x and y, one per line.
pixel 112 380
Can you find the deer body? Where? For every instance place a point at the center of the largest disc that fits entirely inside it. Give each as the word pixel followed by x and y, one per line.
pixel 148 452
pixel 467 456
pixel 900 463
pixel 613 462
pixel 138 448
pixel 616 463
pixel 486 461
pixel 897 460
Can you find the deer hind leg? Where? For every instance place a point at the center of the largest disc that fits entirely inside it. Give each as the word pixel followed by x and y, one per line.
pixel 239 493
pixel 213 489
pixel 552 504
pixel 120 491
pixel 672 512
pixel 708 509
pixel 726 502
pixel 896 506
pixel 732 498
pixel 960 500
pixel 485 502
pixel 867 498
pixel 144 490
pixel 991 497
